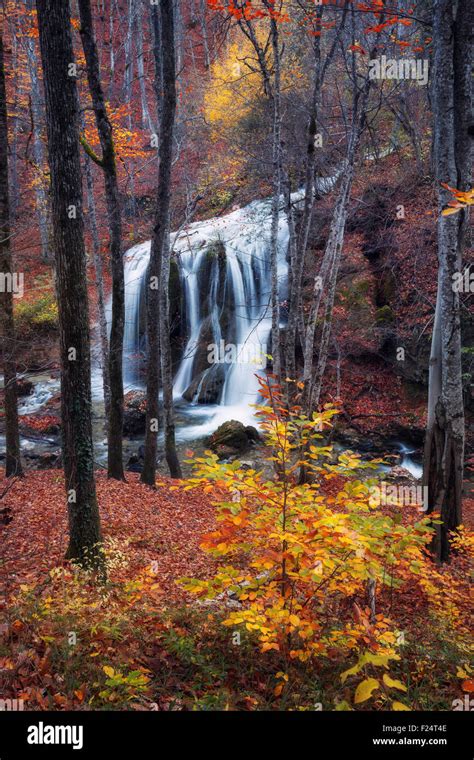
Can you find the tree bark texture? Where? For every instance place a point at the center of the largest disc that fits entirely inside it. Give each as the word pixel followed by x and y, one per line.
pixel 62 117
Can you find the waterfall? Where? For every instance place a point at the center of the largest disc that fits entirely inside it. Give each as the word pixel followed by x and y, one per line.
pixel 408 462
pixel 136 264
pixel 224 315
pixel 235 290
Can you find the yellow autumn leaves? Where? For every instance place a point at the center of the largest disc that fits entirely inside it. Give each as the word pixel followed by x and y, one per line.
pixel 460 200
pixel 366 688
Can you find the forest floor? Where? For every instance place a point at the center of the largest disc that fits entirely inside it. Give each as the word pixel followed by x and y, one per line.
pixel 142 642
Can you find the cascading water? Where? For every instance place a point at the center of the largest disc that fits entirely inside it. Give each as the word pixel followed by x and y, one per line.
pixel 224 282
pixel 408 461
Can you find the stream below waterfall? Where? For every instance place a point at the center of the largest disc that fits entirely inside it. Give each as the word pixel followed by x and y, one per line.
pixel 194 424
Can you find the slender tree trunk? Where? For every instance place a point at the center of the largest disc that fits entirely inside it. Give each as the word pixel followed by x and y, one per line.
pixel 167 367
pixel 247 29
pixel 108 164
pixel 331 253
pixel 62 118
pixel 203 24
pixel 128 92
pixel 13 460
pixel 408 123
pixel 111 50
pixel 169 110
pixel 301 243
pixel 157 59
pixel 42 201
pixel 178 36
pixel 99 279
pixel 13 163
pixel 43 207
pixel 336 243
pixel 158 270
pixel 453 25
pixel 276 201
pixel 338 369
pixel 128 72
pixel 289 351
pixel 147 122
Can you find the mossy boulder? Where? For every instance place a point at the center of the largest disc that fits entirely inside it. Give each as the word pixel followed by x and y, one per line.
pixel 213 265
pixel 384 316
pixel 233 437
pixel 24 387
pixel 134 413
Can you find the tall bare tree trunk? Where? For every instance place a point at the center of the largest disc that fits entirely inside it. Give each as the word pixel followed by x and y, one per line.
pixel 276 200
pixel 205 39
pixel 14 190
pixel 167 366
pixel 13 460
pixel 128 93
pixel 99 279
pixel 166 143
pixel 111 49
pixel 453 25
pixel 158 270
pixel 108 165
pixel 62 117
pixel 301 242
pixel 334 250
pixel 42 201
pixel 154 18
pixel 147 122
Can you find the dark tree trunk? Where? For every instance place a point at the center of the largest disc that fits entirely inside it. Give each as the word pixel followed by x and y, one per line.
pixel 62 117
pixel 167 367
pixel 15 120
pixel 158 270
pixel 108 164
pixel 453 25
pixel 13 461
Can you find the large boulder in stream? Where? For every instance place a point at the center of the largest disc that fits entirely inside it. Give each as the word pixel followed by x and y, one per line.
pixel 233 438
pixel 206 388
pixel 201 350
pixel 134 413
pixel 135 461
pixel 49 460
pixel 24 387
pixel 399 474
